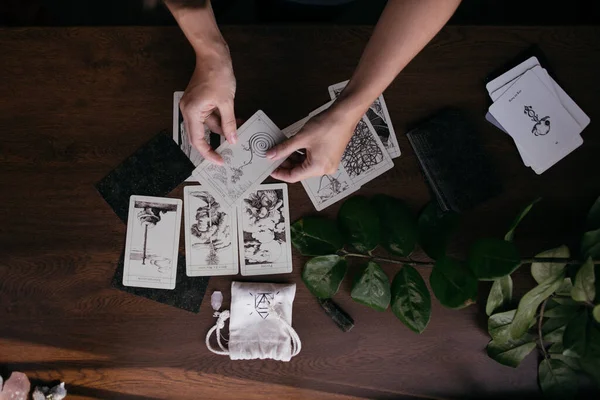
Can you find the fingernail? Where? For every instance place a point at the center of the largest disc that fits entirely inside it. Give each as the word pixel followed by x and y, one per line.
pixel 271 154
pixel 233 138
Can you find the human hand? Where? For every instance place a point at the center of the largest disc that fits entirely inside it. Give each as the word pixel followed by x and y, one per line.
pixel 208 99
pixel 325 137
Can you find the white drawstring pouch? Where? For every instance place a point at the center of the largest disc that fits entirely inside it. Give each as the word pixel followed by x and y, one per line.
pixel 260 323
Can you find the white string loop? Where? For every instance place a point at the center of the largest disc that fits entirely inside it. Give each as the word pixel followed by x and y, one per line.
pixel 296 343
pixel 220 324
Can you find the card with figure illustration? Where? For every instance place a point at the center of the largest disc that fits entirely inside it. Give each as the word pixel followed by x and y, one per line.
pixel 264 231
pixel 245 163
pixel 152 242
pixel 210 235
pixel 379 117
pixel 181 137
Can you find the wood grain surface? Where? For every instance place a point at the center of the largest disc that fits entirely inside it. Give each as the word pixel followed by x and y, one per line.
pixel 76 102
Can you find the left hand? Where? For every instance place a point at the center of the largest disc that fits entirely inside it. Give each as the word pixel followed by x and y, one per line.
pixel 324 138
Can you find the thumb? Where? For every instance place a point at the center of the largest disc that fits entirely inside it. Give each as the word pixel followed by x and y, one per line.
pixel 284 149
pixel 228 124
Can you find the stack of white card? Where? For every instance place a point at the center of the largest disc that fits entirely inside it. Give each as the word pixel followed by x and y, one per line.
pixel 542 119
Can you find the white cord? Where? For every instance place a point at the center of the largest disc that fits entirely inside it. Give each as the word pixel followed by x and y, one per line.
pixel 222 317
pixel 296 343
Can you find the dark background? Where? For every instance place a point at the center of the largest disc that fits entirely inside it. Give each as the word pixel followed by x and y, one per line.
pixel 133 12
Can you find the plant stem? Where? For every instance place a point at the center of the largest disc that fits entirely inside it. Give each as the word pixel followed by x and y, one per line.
pixel 389 260
pixel 431 263
pixel 540 328
pixel 568 261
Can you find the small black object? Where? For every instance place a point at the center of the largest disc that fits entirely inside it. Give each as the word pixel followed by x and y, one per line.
pixel 453 161
pixel 339 316
pixel 187 295
pixel 155 169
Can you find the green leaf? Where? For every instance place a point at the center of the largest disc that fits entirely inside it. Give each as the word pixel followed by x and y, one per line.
pixel 591 366
pixel 584 288
pixel 590 244
pixel 567 301
pixel 500 294
pixel 435 229
pixel 562 311
pixel 572 362
pixel 556 348
pixel 529 304
pixel 359 223
pixel 372 287
pixel 565 288
pixel 411 302
pixel 596 313
pixel 541 271
pixel 499 325
pixel 398 225
pixel 511 352
pixel 511 232
pixel 557 380
pixel 493 258
pixel 593 218
pixel 322 275
pixel 453 283
pixel 316 236
pixel 582 337
pixel 553 329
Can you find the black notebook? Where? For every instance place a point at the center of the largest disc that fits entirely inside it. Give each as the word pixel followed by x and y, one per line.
pixel 453 161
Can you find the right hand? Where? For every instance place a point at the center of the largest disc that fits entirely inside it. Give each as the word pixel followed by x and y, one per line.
pixel 208 99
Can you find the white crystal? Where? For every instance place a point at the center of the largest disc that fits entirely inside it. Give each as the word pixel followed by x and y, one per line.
pixel 216 300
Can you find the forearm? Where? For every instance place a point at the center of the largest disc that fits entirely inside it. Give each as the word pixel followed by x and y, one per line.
pixel 197 21
pixel 404 28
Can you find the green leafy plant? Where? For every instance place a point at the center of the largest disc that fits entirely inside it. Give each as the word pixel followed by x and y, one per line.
pixel 560 316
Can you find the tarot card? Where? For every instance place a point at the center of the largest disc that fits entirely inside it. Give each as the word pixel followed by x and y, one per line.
pixel 326 190
pixel 152 243
pixel 379 117
pixel 245 164
pixel 537 121
pixel 180 135
pixel 511 75
pixel 210 235
pixel 295 127
pixel 572 108
pixel 264 231
pixel 364 159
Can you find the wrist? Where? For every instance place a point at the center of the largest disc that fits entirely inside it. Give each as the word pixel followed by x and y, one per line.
pixel 211 49
pixel 349 108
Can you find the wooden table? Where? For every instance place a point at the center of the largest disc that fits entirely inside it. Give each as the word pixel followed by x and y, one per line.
pixel 75 102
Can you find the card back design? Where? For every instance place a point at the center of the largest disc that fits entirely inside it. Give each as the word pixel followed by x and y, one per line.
pixel 264 231
pixel 152 242
pixel 245 163
pixel 210 235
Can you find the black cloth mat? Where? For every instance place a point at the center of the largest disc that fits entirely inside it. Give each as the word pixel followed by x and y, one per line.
pixel 155 169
